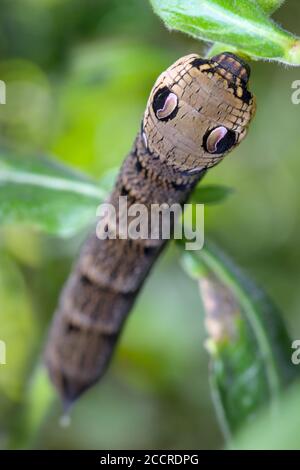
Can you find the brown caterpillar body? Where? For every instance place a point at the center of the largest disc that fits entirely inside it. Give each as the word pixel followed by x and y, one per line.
pixel 198 110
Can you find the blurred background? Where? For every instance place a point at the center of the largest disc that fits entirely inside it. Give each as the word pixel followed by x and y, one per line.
pixel 78 76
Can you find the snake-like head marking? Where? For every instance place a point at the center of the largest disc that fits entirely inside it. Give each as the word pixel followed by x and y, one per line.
pixel 198 110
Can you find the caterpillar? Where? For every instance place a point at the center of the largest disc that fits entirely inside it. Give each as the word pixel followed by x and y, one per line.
pixel 198 111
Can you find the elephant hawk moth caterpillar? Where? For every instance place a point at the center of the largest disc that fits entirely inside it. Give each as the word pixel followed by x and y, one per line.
pixel 198 111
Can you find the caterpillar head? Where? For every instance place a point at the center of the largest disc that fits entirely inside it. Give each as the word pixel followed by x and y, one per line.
pixel 198 111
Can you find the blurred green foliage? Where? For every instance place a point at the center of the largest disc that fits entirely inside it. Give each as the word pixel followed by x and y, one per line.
pixel 78 75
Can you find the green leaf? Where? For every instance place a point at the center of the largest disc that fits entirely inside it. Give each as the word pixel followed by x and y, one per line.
pixel 248 343
pixel 45 195
pixel 269 6
pixel 210 194
pixel 242 25
pixel 219 47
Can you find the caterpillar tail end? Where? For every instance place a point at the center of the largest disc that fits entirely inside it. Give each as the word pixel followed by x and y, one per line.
pixel 69 389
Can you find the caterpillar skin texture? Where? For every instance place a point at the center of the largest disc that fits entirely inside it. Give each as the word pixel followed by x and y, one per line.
pixel 198 111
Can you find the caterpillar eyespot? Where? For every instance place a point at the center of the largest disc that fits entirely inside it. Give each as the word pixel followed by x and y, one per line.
pixel 165 104
pixel 186 129
pixel 219 140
